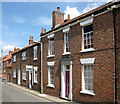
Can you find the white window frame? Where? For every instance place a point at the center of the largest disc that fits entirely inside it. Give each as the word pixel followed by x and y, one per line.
pixel 68 42
pixel 35 51
pixel 90 32
pixel 51 50
pixel 86 62
pixel 24 74
pixel 24 56
pixel 50 64
pixel 14 58
pixel 14 73
pixel 35 75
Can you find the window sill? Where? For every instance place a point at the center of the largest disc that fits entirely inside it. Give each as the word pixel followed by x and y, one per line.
pixel 88 50
pixel 35 82
pixel 50 56
pixel 50 85
pixel 24 79
pixel 14 77
pixel 23 59
pixel 87 92
pixel 66 53
pixel 35 58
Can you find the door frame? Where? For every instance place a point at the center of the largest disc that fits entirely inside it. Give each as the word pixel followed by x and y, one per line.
pixel 31 78
pixel 63 63
pixel 19 76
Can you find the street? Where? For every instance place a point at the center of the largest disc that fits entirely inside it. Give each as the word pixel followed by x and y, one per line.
pixel 12 94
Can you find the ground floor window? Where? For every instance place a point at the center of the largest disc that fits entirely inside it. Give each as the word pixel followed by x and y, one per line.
pixel 51 75
pixel 24 74
pixel 14 73
pixel 35 74
pixel 88 77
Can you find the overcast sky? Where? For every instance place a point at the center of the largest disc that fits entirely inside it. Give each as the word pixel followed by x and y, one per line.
pixel 20 20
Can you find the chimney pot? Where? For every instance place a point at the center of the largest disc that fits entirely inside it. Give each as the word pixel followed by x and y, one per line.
pixel 42 30
pixel 68 16
pixel 58 9
pixel 32 37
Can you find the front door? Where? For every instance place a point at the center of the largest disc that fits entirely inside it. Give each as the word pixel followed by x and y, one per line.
pixel 19 77
pixel 67 80
pixel 67 83
pixel 30 79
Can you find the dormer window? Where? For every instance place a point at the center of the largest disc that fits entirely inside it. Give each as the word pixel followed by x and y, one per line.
pixel 24 56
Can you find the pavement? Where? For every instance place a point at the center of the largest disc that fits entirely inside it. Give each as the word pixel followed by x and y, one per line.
pixel 36 93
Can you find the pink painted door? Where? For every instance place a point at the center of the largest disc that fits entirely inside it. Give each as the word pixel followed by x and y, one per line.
pixel 67 83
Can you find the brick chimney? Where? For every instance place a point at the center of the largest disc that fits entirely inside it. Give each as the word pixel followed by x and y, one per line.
pixel 57 17
pixel 16 49
pixel 31 40
pixel 10 52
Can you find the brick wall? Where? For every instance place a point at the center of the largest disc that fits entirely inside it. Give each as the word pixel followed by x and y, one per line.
pixel 104 67
pixel 29 61
pixel 118 51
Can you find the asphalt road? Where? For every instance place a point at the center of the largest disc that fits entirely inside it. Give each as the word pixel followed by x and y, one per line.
pixel 12 94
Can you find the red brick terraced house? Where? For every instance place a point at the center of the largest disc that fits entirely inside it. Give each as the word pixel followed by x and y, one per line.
pixel 81 56
pixel 7 65
pixel 26 66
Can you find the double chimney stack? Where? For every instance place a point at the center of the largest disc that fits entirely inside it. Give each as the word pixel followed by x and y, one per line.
pixel 57 18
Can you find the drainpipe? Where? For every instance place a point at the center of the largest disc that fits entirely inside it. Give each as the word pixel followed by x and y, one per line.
pixel 20 72
pixel 41 68
pixel 115 47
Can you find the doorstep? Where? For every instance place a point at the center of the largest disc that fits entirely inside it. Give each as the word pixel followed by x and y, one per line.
pixel 36 93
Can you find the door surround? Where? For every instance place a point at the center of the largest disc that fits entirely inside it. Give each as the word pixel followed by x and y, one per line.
pixel 62 94
pixel 19 76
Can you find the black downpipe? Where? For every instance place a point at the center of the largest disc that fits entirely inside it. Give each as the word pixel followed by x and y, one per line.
pixel 115 47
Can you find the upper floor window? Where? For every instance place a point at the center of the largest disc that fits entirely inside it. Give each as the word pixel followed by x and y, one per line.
pixel 66 43
pixel 51 46
pixel 35 52
pixel 87 37
pixel 24 56
pixel 14 58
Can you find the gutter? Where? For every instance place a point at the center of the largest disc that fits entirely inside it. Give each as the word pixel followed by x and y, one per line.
pixel 115 47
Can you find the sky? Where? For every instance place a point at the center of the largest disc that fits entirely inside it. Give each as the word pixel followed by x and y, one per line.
pixel 20 20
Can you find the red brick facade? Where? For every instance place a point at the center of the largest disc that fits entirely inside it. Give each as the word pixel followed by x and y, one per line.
pixel 22 64
pixel 104 54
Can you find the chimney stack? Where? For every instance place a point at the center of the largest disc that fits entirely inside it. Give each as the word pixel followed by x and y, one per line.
pixel 57 17
pixel 16 49
pixel 31 40
pixel 68 16
pixel 10 52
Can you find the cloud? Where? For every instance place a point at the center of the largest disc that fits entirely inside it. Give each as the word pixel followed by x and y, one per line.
pixel 91 6
pixel 72 11
pixel 43 21
pixel 8 47
pixel 18 19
